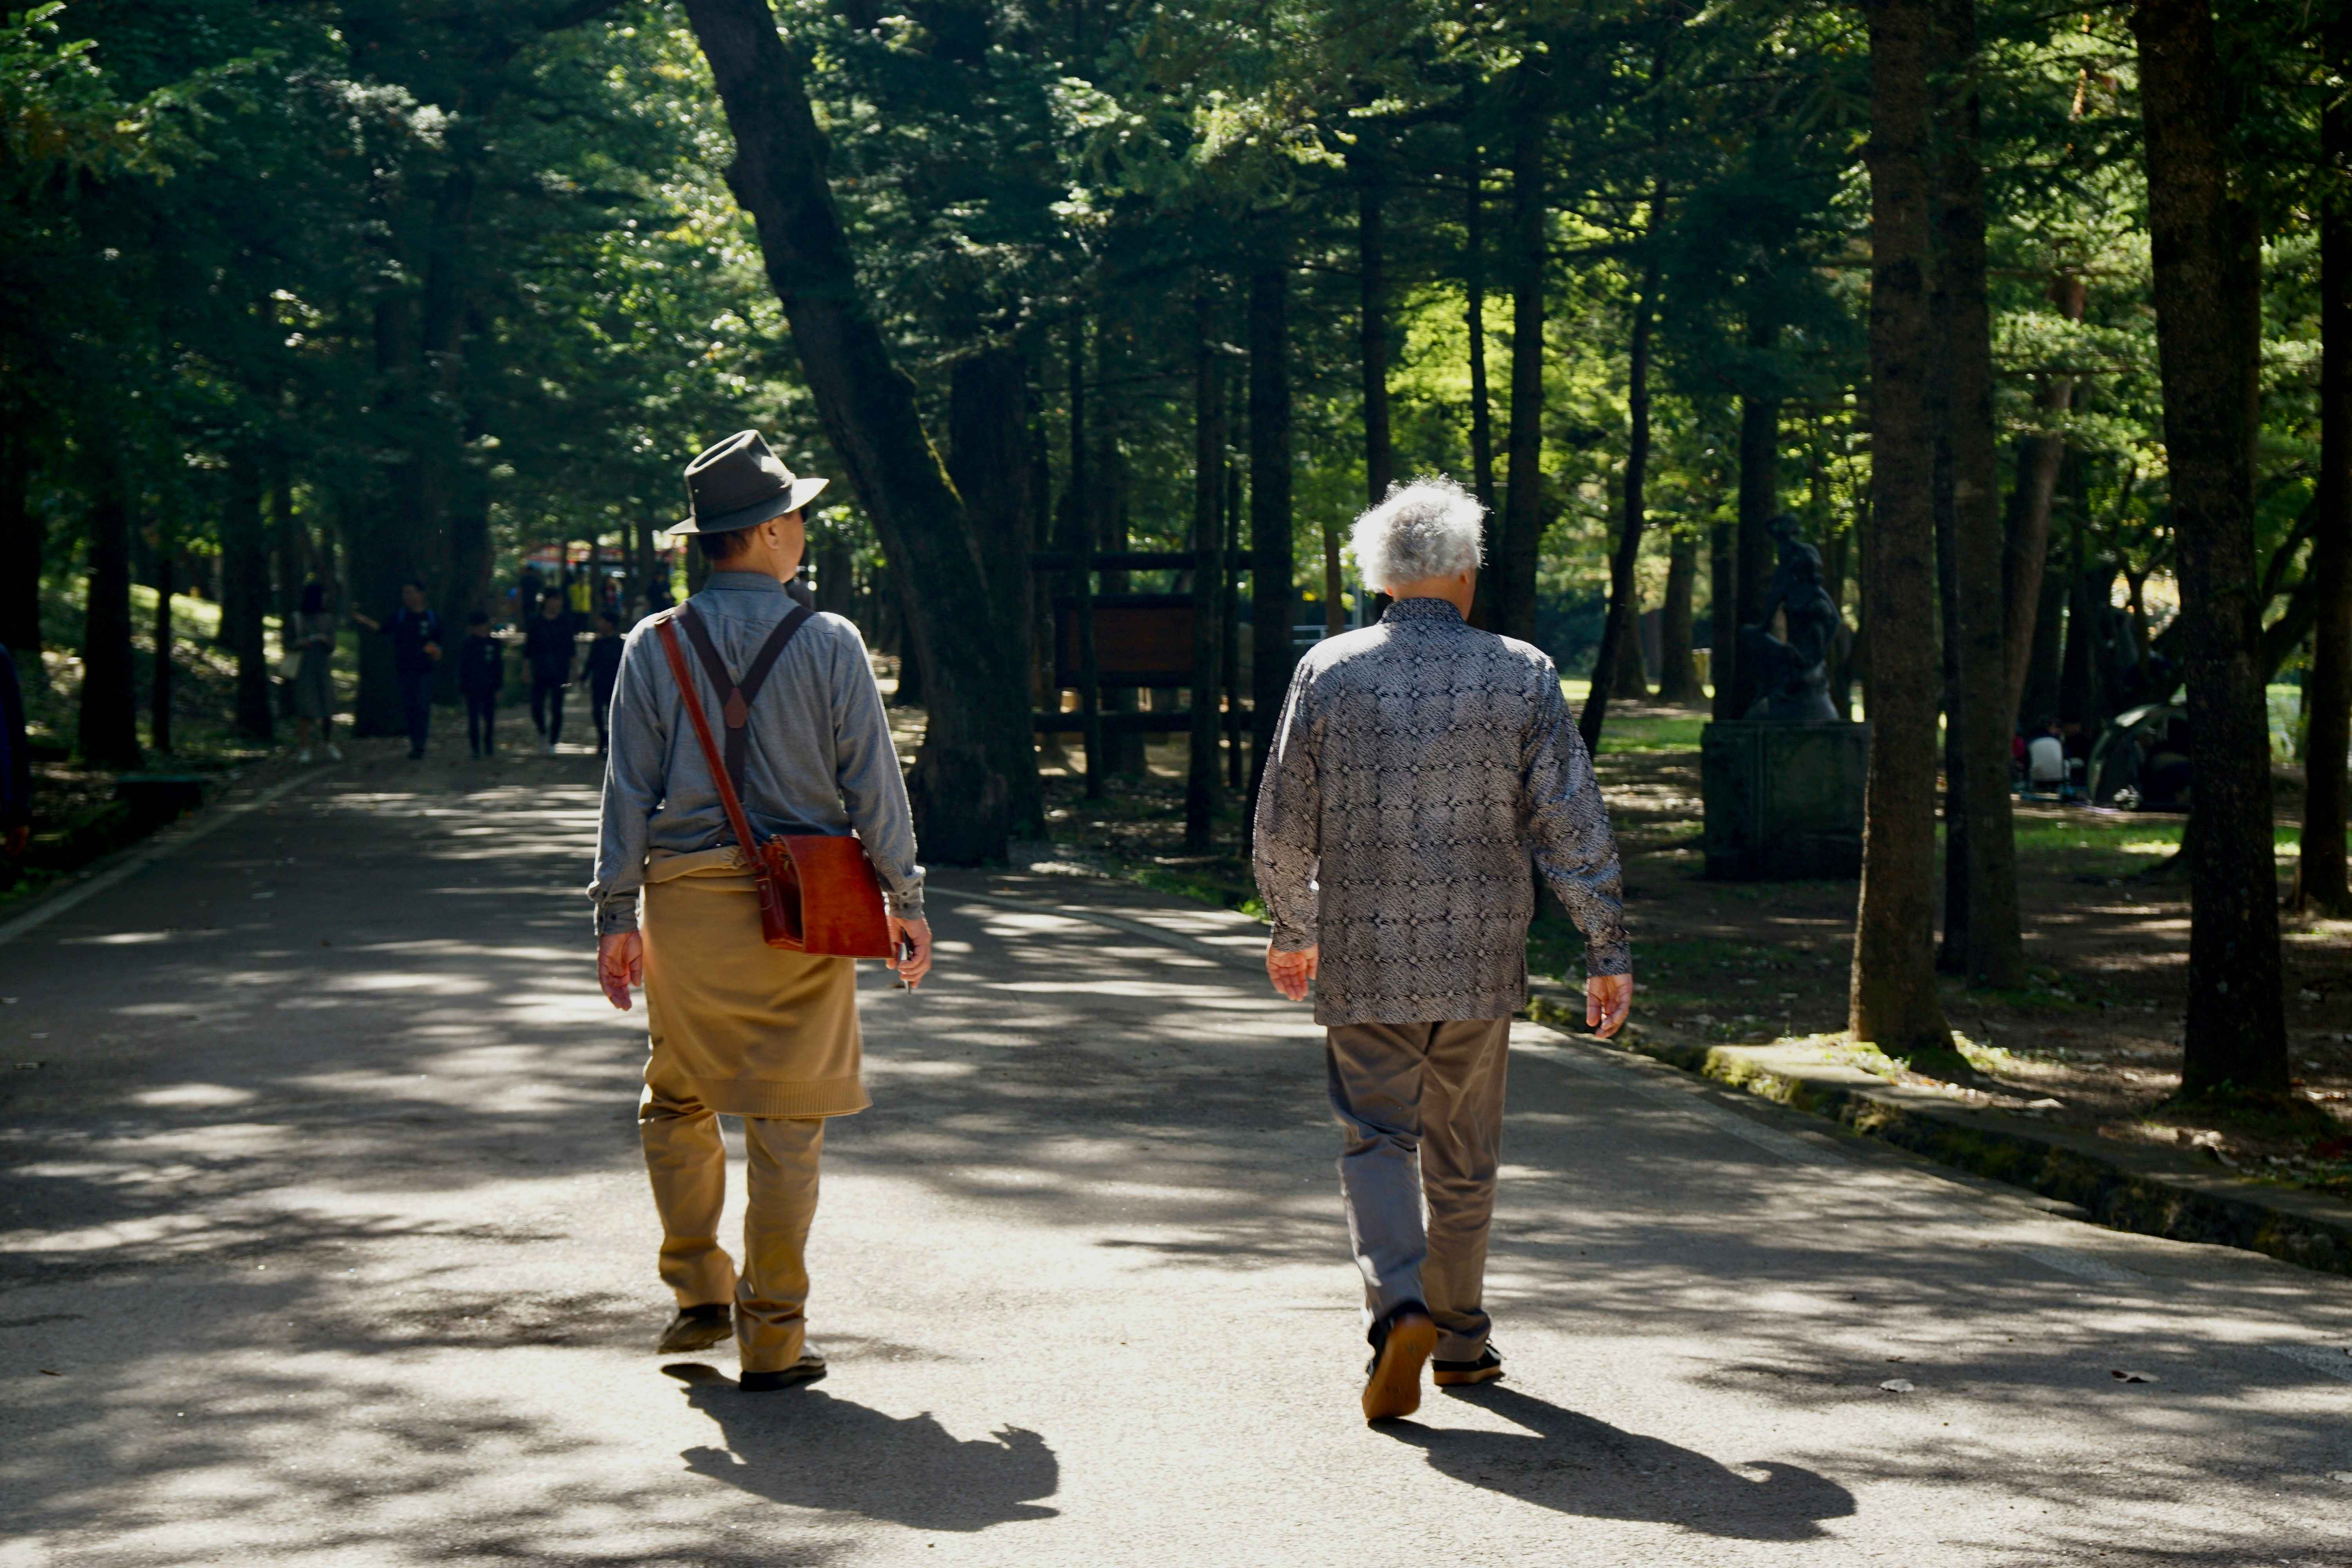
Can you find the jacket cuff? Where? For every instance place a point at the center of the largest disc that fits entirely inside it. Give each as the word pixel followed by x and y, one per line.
pixel 616 915
pixel 1615 959
pixel 906 906
pixel 1292 938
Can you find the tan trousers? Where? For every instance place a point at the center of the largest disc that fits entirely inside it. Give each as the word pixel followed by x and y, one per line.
pixel 1435 1091
pixel 687 1163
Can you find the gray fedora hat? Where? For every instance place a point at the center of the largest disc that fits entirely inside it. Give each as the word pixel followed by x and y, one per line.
pixel 738 483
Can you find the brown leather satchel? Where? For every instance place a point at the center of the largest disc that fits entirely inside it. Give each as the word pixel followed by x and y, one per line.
pixel 818 892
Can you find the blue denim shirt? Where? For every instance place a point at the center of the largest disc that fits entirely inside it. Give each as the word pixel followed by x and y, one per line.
pixel 821 757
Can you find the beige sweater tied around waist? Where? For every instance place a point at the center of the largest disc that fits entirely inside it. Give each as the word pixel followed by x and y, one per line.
pixel 746 1028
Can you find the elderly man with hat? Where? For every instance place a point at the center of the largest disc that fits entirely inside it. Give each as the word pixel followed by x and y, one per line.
pixel 738 1028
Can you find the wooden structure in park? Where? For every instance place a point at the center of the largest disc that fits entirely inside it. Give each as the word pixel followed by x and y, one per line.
pixel 1115 641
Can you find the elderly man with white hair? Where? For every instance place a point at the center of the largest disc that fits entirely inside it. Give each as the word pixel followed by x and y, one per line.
pixel 1419 766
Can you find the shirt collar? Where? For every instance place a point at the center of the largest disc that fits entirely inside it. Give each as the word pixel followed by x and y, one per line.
pixel 742 583
pixel 1435 610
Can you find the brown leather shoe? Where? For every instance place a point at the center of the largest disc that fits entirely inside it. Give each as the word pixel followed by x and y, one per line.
pixel 1392 1383
pixel 1487 1368
pixel 697 1327
pixel 808 1369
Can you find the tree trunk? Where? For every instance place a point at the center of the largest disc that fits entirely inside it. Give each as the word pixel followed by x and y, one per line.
pixel 1722 616
pixel 2235 1034
pixel 1677 679
pixel 1620 633
pixel 292 560
pixel 2320 880
pixel 1892 1000
pixel 1760 500
pixel 1080 542
pixel 1512 562
pixel 159 685
pixel 989 458
pixel 1229 603
pixel 1473 319
pixel 2025 540
pixel 244 593
pixel 1991 950
pixel 107 730
pixel 466 587
pixel 1202 789
pixel 23 545
pixel 969 649
pixel 1372 322
pixel 1272 566
pixel 2039 701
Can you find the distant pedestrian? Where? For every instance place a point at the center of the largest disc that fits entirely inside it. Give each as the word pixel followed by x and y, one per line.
pixel 2045 759
pixel 548 646
pixel 416 634
pixel 1418 765
pixel 599 670
pixel 15 772
pixel 481 675
pixel 310 650
pixel 739 1028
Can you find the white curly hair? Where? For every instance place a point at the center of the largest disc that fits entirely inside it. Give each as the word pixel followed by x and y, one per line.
pixel 1428 528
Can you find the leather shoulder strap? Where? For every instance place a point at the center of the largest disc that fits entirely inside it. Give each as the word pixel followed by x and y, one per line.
pixel 727 796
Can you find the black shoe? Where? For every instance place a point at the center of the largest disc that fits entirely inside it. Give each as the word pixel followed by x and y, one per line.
pixel 1400 1345
pixel 808 1369
pixel 416 756
pixel 1487 1368
pixel 697 1327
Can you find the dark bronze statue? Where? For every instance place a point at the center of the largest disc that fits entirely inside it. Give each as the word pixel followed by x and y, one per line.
pixel 1793 674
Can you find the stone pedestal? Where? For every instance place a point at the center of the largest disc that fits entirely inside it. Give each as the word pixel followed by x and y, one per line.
pixel 1783 801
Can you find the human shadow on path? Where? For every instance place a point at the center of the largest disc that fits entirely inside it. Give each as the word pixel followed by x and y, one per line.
pixel 805 1447
pixel 1581 1466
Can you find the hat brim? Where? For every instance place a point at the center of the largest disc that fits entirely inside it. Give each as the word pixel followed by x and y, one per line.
pixel 800 493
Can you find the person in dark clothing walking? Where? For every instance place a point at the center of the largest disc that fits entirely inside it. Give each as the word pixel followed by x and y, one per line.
pixel 416 634
pixel 547 648
pixel 481 671
pixel 598 672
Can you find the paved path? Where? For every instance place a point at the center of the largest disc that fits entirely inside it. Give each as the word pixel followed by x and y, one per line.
pixel 326 1243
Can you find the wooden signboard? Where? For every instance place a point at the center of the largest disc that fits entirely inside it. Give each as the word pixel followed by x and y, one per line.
pixel 1140 639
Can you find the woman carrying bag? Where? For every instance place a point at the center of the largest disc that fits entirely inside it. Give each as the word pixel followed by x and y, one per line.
pixel 749 742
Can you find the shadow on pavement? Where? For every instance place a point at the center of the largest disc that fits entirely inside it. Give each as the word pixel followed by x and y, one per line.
pixel 1581 1466
pixel 809 1450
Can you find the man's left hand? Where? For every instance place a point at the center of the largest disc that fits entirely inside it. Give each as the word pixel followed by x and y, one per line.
pixel 620 964
pixel 1607 999
pixel 1290 972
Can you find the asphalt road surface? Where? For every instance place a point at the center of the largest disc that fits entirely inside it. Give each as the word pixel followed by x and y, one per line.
pixel 326 1242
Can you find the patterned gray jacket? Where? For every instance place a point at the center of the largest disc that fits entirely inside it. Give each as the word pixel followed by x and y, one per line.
pixel 1418 765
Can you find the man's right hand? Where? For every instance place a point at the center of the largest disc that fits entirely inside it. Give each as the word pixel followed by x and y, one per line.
pixel 620 964
pixel 1290 972
pixel 915 964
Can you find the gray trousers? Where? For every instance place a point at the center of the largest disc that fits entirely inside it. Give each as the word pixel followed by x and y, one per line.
pixel 1435 1090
